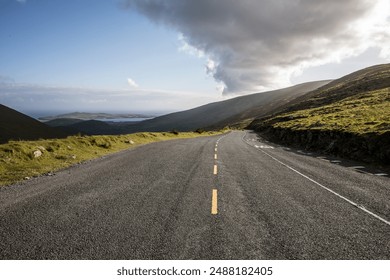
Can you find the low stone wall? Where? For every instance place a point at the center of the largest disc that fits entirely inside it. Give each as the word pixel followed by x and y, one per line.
pixel 368 148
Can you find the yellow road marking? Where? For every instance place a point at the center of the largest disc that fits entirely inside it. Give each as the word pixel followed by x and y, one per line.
pixel 214 198
pixel 214 203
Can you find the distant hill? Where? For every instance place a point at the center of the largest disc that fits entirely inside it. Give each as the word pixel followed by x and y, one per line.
pixel 94 116
pixel 89 127
pixel 93 127
pixel 17 126
pixel 219 114
pixel 211 116
pixel 349 117
pixel 62 122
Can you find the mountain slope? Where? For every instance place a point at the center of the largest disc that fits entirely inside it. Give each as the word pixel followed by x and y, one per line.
pixel 17 126
pixel 226 112
pixel 368 79
pixel 349 117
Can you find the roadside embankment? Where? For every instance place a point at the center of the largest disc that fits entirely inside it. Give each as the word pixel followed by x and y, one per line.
pixel 22 160
pixel 356 127
pixel 369 148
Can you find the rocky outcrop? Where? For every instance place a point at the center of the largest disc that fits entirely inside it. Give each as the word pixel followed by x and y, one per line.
pixel 371 148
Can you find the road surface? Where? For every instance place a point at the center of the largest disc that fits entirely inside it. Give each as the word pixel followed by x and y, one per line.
pixel 233 196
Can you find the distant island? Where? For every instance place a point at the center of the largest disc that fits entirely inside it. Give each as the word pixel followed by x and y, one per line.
pixel 95 116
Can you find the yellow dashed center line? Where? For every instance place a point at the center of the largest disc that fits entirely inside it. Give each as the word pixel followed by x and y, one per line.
pixel 214 202
pixel 214 197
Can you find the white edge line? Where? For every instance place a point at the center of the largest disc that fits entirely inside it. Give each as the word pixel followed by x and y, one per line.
pixel 335 193
pixel 329 190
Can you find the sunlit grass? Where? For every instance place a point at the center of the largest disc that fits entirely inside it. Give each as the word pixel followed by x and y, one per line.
pixel 364 113
pixel 17 159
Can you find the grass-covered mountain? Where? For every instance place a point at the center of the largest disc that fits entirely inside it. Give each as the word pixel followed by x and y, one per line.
pixel 17 126
pixel 348 117
pixel 228 112
pixel 211 116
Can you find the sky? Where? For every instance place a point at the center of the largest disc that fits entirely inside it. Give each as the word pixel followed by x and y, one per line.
pixel 160 56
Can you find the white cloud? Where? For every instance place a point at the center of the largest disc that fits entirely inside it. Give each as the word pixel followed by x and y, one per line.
pixel 257 45
pixel 131 83
pixel 6 80
pixel 39 99
pixel 187 48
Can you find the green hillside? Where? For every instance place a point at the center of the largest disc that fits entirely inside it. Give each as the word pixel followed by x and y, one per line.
pixel 348 117
pixel 363 113
pixel 17 126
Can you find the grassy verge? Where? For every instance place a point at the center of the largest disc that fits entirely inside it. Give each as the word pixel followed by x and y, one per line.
pixel 356 127
pixel 348 117
pixel 25 159
pixel 364 113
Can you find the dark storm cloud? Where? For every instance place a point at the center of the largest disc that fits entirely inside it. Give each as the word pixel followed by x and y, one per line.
pixel 260 44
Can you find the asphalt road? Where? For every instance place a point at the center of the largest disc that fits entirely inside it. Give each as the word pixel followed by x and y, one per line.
pixel 229 197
